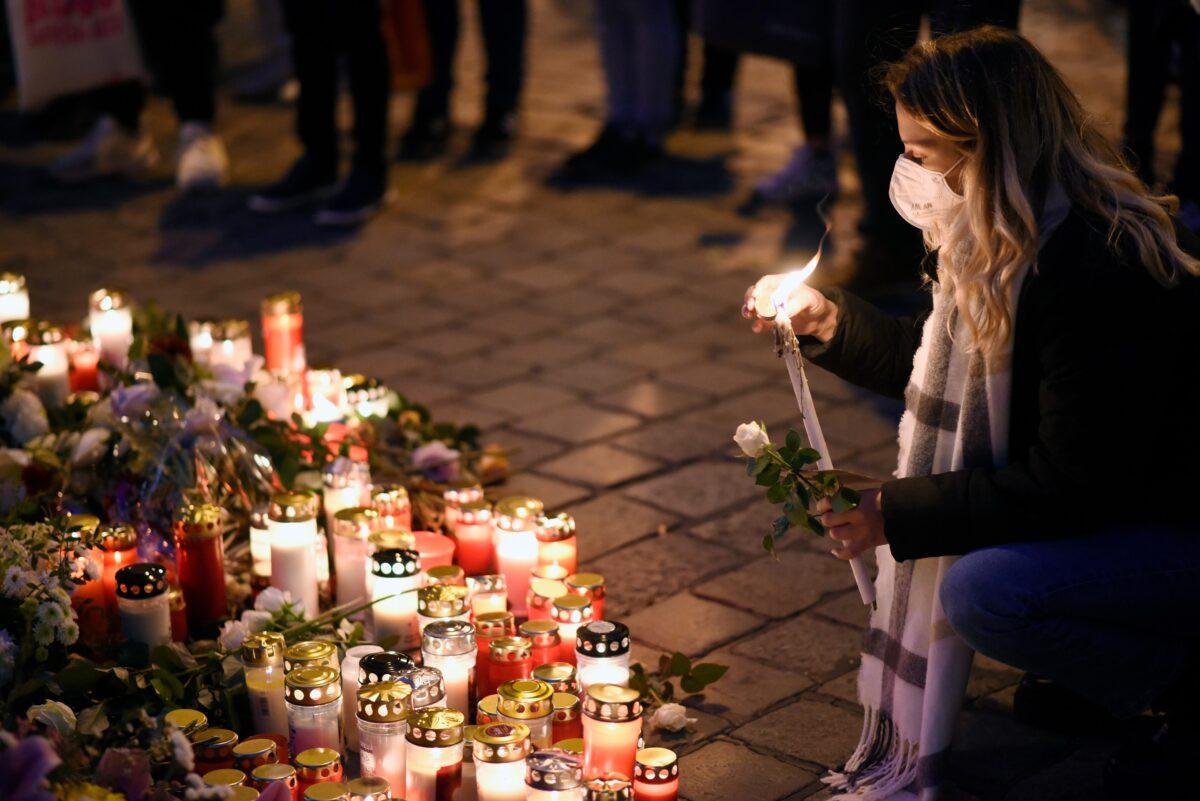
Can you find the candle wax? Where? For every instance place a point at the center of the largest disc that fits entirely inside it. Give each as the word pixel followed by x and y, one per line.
pixel 500 781
pixel 84 373
pixel 609 747
pixel 655 792
pixel 294 562
pixel 112 334
pixel 382 752
pixel 349 668
pixel 268 706
pixel 475 552
pixel 516 555
pixel 147 620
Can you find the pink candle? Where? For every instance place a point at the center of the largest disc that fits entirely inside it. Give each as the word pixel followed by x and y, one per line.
pixel 547 642
pixel 656 775
pixel 612 724
pixel 513 525
pixel 473 533
pixel 393 504
pixel 556 541
pixel 454 498
pixel 434 548
pixel 489 626
pixel 545 585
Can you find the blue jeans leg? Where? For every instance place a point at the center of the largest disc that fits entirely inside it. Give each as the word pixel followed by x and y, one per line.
pixel 1111 616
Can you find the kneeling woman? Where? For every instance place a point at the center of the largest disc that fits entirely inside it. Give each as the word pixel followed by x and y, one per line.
pixel 1049 431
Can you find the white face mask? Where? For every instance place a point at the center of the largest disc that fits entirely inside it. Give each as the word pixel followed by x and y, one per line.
pixel 921 195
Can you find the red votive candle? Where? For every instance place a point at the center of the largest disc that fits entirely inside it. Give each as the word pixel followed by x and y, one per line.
pixel 84 371
pixel 454 498
pixel 612 725
pixel 508 659
pixel 213 749
pixel 561 678
pixel 591 586
pixel 513 531
pixel 570 612
pixel 283 333
pixel 473 533
pixel 489 626
pixel 656 775
pixel 200 553
pixel 557 543
pixel 566 724
pixel 316 765
pixel 547 644
pixel 394 506
pixel 545 585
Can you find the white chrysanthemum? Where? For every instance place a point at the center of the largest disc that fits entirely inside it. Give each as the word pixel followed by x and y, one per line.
pixel 90 448
pixel 51 613
pixel 181 750
pixel 68 632
pixel 43 633
pixel 16 585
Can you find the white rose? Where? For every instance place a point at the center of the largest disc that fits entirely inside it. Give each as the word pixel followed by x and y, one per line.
pixel 90 447
pixel 232 634
pixel 53 713
pixel 670 717
pixel 752 439
pixel 272 599
pixel 274 396
pixel 256 619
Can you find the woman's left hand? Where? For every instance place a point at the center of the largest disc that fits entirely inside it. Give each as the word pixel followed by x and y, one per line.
pixel 857 529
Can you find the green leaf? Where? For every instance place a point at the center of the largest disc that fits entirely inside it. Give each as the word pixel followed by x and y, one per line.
pixel 768 476
pixel 181 329
pixel 708 672
pixel 169 688
pixel 777 493
pixel 808 456
pixel 165 657
pixel 680 665
pixel 162 369
pixel 761 463
pixel 251 413
pixel 840 503
pixel 79 676
pixel 768 544
pixel 637 681
pixel 667 691
pixel 793 440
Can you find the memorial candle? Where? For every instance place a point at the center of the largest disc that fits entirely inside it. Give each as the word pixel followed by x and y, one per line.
pixel 200 555
pixel 393 504
pixel 142 600
pixel 456 496
pixel 612 725
pixel 385 539
pixel 547 644
pixel 366 397
pixel 350 673
pixel 317 766
pixel 327 396
pixel 560 676
pixel 567 724
pixel 292 522
pixel 249 754
pixel 557 544
pixel 434 548
pixel 489 626
pixel 383 666
pixel 262 660
pixel 264 776
pixel 487 593
pixel 513 523
pixel 118 546
pixel 449 647
pixel 487 709
pixel 187 720
pixel 443 602
pixel 530 702
pixel 213 749
pixel 310 653
pixel 382 723
pixel 371 788
pixel 347 484
pixel 260 544
pixel 610 787
pixel 283 333
pixel 327 791
pixel 553 775
pixel 474 548
pixel 591 586
pixel 48 346
pixel 14 297
pixel 446 574
pixel 428 687
pixel 545 585
pixel 508 659
pixel 656 775
pixel 84 370
pixel 602 653
pixel 433 770
pixel 314 708
pixel 111 323
pixel 395 577
pixel 499 755
pixel 351 550
pixel 467 790
pixel 570 612
pixel 224 777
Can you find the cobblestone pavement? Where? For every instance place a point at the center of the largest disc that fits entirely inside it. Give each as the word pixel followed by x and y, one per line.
pixel 596 334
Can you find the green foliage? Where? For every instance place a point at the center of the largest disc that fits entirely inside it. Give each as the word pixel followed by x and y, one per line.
pixel 658 686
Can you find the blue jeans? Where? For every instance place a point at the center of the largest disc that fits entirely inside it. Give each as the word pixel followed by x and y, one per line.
pixel 639 46
pixel 1111 616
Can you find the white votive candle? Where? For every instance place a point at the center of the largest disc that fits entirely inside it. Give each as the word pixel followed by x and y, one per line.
pixel 111 323
pixel 449 646
pixel 48 347
pixel 349 670
pixel 144 607
pixel 262 660
pixel 554 775
pixel 14 297
pixel 347 483
pixel 292 523
pixel 382 721
pixel 513 524
pixel 396 578
pixel 499 756
pixel 434 757
pixel 351 527
pixel 314 707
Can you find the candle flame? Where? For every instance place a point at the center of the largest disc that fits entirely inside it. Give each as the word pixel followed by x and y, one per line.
pixel 795 278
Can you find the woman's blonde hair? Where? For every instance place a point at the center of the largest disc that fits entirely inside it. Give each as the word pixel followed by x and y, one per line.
pixel 1022 131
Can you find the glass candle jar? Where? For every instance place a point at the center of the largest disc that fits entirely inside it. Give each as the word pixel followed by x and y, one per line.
pixel 456 496
pixel 347 484
pixel 328 791
pixel 231 345
pixel 591 586
pixel 118 547
pixel 387 539
pixel 310 653
pixel 473 536
pixel 602 653
pixel 224 777
pixel 508 658
pixel 529 701
pixel 200 555
pixel 367 397
pixel 433 770
pixel 14 297
pixel 556 542
pixel 573 745
pixel 396 579
pixel 656 775
pixel 443 602
pixel 317 766
pixel 111 323
pixel 428 687
pixel 187 720
pixel 249 754
pixel 435 549
pixel 84 372
pixel 612 725
pixel 383 666
pixel 283 333
pixel 351 528
pixel 559 675
pixel 314 707
pixel 489 626
pixel 142 599
pixel 446 574
pixel 488 593
pixel 547 644
pixel 48 346
pixel 292 522
pixel 566 724
pixel 571 612
pixel 350 672
pixel 327 396
pixel 499 754
pixel 467 790
pixel 382 723
pixel 264 776
pixel 487 709
pixel 514 521
pixel 545 586
pixel 553 775
pixel 449 647
pixel 212 749
pixel 392 503
pixel 370 788
pixel 262 660
pixel 260 544
pixel 610 787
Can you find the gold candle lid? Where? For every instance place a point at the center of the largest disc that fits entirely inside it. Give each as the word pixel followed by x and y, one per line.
pixel 107 299
pixel 385 702
pixel 525 699
pixel 474 513
pixel 389 496
pixel 369 788
pixel 327 791
pixel 572 745
pixel 186 719
pixel 309 653
pixel 201 521
pixel 586 584
pixel 656 766
pixel 553 528
pixel 242 792
pixel 566 706
pixel 85 523
pixel 263 649
pixel 313 686
pixel 510 649
pixel 400 539
pixel 317 764
pixel 543 591
pixel 461 493
pixel 612 703
pixel 436 727
pixel 444 600
pixel 11 283
pixel 213 744
pixel 224 777
pixel 116 537
pixel 559 675
pixel 273 772
pixel 446 574
pixel 487 708
pixel 502 742
pixel 287 302
pixel 256 750
pixel 353 521
pixel 293 507
pixel 571 609
pixel 609 787
pixel 517 513
pixel 495 624
pixel 542 633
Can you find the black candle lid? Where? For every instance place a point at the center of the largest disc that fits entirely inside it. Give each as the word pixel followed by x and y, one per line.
pixel 553 769
pixel 141 580
pixel 383 666
pixel 602 638
pixel 395 563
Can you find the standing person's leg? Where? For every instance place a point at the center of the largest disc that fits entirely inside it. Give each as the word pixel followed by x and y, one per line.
pixel 655 48
pixel 360 36
pixel 715 111
pixel 314 54
pixel 266 78
pixel 1186 181
pixel 504 24
pixel 1149 56
pixel 429 130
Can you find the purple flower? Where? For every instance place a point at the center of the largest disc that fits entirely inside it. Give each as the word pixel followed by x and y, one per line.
pixel 134 400
pixel 126 771
pixel 276 791
pixel 437 461
pixel 24 766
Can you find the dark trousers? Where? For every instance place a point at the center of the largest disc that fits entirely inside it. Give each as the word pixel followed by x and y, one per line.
pixel 323 32
pixel 503 23
pixel 180 50
pixel 1160 30
pixel 868 33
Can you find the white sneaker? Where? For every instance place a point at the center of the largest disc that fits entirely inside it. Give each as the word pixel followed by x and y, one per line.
pixel 107 150
pixel 203 162
pixel 808 174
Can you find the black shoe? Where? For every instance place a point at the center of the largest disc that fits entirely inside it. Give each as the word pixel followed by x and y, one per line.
pixel 356 200
pixel 303 184
pixel 612 155
pixel 1042 703
pixel 494 137
pixel 425 139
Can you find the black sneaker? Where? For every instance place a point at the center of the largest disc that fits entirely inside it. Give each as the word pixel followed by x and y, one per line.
pixel 303 184
pixel 356 200
pixel 612 155
pixel 425 139
pixel 1047 705
pixel 494 137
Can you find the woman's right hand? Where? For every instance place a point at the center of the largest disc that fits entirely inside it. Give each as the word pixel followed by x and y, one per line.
pixel 812 313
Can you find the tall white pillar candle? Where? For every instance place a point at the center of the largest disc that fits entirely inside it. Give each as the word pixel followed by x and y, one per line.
pixel 449 646
pixel 292 523
pixel 111 323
